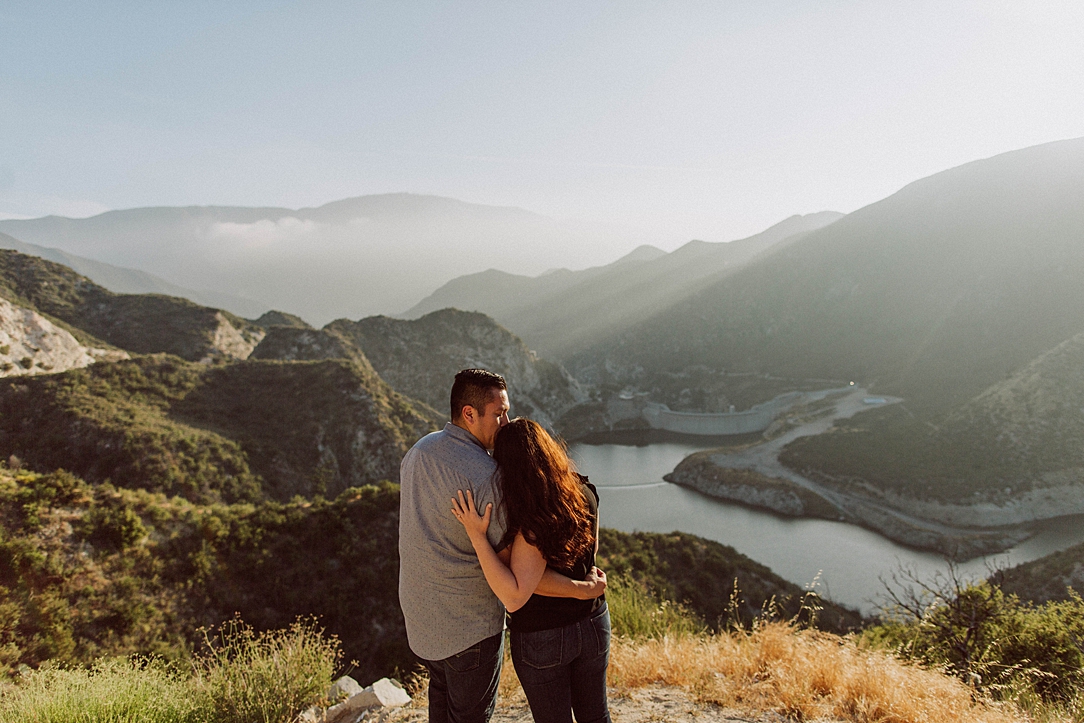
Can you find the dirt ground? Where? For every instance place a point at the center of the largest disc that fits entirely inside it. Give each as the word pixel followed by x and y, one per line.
pixel 655 704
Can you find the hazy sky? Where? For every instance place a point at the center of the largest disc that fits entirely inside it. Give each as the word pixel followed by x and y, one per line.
pixel 675 119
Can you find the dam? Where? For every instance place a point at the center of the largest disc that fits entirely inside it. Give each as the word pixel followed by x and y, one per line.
pixel 629 406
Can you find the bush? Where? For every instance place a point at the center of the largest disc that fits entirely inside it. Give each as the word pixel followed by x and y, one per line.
pixel 988 638
pixel 249 677
pixel 242 677
pixel 113 526
pixel 637 612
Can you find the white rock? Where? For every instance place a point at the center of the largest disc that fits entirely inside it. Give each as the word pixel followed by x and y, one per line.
pixel 390 693
pixel 343 686
pixel 382 694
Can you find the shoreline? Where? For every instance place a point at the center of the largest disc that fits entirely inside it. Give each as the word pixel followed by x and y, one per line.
pixel 753 476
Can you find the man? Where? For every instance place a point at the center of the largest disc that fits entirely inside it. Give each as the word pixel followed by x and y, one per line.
pixel 454 622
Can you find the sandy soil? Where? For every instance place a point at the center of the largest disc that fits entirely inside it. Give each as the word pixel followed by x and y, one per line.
pixel 655 704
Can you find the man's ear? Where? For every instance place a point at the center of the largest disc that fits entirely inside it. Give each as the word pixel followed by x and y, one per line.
pixel 468 415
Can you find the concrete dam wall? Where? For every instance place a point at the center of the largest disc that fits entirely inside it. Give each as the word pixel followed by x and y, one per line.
pixel 754 419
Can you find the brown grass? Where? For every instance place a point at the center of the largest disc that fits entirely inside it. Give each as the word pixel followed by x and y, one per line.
pixel 803 675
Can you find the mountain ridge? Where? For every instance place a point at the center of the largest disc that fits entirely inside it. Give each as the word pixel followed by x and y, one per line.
pixel 925 294
pixel 555 313
pixel 350 258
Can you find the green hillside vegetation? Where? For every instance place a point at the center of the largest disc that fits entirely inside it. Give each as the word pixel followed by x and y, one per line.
pixel 932 294
pixel 89 571
pixel 715 582
pixel 94 571
pixel 234 432
pixel 1049 578
pixel 987 636
pixel 562 311
pixel 140 323
pixel 1019 434
pixel 298 343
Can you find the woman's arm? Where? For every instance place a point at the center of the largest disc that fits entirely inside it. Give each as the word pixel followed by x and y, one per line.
pixel 514 583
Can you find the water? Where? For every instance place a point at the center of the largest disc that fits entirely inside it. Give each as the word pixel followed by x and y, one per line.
pixel 846 560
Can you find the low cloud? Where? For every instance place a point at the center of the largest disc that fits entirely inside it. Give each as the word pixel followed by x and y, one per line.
pixel 265 232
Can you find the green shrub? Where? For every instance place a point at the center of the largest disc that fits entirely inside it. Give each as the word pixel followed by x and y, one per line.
pixel 990 639
pixel 637 612
pixel 270 677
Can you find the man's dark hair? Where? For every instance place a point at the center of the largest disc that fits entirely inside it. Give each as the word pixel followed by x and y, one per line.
pixel 474 387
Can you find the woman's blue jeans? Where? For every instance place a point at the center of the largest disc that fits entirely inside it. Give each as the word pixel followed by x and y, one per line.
pixel 563 671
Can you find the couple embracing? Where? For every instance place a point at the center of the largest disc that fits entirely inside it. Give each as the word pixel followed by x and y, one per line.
pixel 494 518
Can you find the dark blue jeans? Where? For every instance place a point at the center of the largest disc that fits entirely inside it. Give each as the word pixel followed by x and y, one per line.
pixel 463 687
pixel 563 671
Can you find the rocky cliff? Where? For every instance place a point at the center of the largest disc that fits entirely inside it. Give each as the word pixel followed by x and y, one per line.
pixel 32 344
pixel 420 358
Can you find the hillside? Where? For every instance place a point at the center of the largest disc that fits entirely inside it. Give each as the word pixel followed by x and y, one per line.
pixel 1018 440
pixel 1048 578
pixel 562 311
pixel 420 358
pixel 932 294
pixel 96 571
pixel 131 281
pixel 139 323
pixel 243 431
pixel 356 257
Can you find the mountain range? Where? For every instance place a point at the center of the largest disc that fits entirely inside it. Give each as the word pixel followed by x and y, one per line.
pixel 563 311
pixel 351 258
pixel 932 294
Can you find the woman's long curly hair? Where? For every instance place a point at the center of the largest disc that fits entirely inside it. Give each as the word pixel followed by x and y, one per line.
pixel 543 496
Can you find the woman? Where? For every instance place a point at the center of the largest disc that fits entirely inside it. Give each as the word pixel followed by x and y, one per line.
pixel 560 646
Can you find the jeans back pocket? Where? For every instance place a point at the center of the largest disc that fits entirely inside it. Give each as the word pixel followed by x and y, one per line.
pixel 543 648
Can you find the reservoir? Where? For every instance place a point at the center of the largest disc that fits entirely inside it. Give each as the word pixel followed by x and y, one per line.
pixel 846 560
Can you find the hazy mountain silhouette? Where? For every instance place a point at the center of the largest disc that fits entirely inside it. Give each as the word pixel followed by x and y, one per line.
pixel 933 293
pixel 562 311
pixel 132 281
pixel 349 258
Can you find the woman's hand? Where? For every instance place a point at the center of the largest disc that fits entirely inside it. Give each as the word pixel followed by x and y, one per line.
pixel 475 524
pixel 595 584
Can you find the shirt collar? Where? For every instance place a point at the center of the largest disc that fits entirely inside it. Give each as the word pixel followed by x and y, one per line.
pixel 460 433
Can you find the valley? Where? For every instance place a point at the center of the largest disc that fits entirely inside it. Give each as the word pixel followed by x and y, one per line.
pixel 905 377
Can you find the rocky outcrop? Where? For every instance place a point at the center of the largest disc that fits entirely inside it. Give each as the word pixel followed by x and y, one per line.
pixel 420 358
pixel 32 344
pixel 749 487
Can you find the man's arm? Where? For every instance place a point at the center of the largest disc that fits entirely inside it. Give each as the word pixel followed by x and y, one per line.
pixel 554 584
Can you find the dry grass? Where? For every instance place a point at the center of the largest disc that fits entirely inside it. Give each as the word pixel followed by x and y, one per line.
pixel 803 675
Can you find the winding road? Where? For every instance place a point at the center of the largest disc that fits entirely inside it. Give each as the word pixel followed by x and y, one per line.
pixel 764 459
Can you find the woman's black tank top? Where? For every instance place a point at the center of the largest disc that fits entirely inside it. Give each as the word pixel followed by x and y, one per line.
pixel 545 613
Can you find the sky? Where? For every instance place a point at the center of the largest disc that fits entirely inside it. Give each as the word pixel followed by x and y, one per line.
pixel 669 120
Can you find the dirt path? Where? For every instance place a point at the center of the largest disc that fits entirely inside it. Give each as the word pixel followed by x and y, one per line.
pixel 654 704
